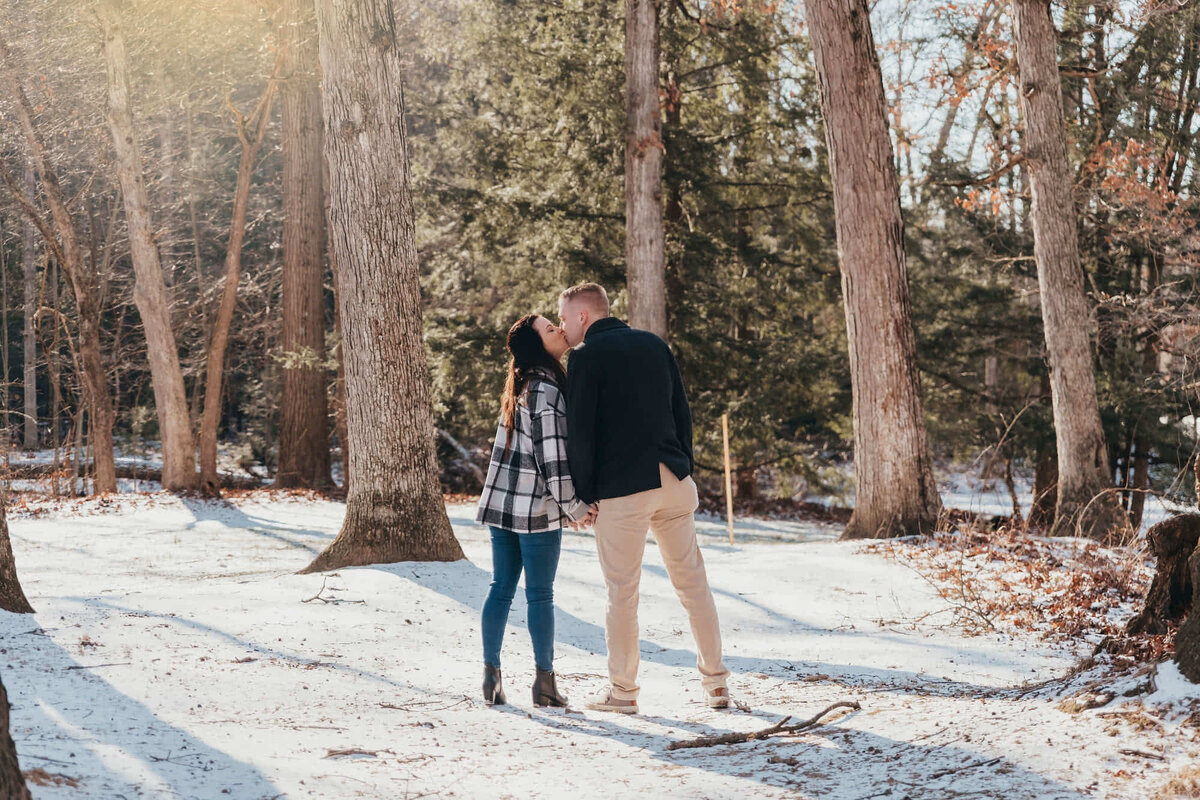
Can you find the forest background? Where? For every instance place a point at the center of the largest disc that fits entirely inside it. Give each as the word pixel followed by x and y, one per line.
pixel 516 115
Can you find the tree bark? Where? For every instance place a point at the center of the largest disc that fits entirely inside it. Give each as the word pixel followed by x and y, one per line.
pixel 340 424
pixel 215 368
pixel 63 242
pixel 1187 639
pixel 29 334
pixel 150 290
pixel 12 597
pixel 12 782
pixel 1086 504
pixel 394 510
pixel 1170 593
pixel 644 244
pixel 896 493
pixel 303 411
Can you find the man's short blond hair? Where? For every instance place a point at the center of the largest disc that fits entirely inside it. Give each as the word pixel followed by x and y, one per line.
pixel 592 294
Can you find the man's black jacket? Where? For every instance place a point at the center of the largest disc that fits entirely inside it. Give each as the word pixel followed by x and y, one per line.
pixel 626 412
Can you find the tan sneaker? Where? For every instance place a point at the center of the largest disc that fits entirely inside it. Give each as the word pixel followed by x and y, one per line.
pixel 718 698
pixel 606 702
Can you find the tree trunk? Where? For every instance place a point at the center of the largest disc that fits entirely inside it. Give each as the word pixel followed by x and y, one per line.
pixel 1187 639
pixel 644 247
pixel 1045 488
pixel 303 412
pixel 1149 277
pixel 746 484
pixel 340 425
pixel 896 493
pixel 12 597
pixel 215 371
pixel 12 782
pixel 64 243
pixel 1086 504
pixel 29 267
pixel 1170 593
pixel 394 510
pixel 150 290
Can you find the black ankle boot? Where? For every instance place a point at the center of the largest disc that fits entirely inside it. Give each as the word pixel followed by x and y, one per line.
pixel 545 693
pixel 493 689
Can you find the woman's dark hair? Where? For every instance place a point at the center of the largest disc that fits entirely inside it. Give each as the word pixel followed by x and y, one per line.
pixel 528 355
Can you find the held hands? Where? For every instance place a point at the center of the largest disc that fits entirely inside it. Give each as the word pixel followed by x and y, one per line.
pixel 587 521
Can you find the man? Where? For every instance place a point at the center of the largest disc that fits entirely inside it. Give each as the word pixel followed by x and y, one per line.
pixel 629 447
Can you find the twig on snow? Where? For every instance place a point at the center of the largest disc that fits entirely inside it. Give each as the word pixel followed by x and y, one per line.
pixel 965 767
pixel 778 727
pixel 97 666
pixel 423 705
pixel 354 751
pixel 318 596
pixel 1142 753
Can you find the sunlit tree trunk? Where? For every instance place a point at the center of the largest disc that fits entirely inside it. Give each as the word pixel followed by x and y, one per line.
pixel 896 494
pixel 644 244
pixel 394 510
pixel 303 412
pixel 150 290
pixel 250 134
pixel 1085 503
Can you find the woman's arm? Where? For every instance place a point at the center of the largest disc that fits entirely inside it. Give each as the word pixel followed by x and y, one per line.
pixel 549 422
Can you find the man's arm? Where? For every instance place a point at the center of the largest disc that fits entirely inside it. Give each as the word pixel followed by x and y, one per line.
pixel 682 412
pixel 582 401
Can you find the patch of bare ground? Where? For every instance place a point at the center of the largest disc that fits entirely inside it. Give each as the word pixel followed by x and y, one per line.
pixel 1064 590
pixel 40 777
pixel 1184 783
pixel 773 508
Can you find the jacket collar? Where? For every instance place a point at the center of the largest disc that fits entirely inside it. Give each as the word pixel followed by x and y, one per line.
pixel 602 326
pixel 543 374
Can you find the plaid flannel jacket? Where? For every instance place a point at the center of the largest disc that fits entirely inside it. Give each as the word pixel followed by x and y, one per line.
pixel 529 488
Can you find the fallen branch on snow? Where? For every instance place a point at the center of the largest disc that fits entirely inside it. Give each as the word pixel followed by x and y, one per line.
pixel 778 727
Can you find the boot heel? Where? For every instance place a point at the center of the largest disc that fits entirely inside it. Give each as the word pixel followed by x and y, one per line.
pixel 493 686
pixel 545 691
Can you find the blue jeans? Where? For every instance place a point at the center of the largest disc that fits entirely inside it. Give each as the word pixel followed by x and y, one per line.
pixel 537 554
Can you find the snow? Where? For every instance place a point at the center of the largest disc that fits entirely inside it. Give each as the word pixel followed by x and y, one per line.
pixel 175 653
pixel 1172 687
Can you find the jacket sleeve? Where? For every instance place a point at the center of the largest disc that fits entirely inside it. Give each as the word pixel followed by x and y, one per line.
pixel 549 436
pixel 582 401
pixel 682 413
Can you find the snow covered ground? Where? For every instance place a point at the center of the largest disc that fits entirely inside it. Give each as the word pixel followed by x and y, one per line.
pixel 175 653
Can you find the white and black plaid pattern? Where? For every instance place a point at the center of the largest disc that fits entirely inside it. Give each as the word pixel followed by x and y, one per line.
pixel 529 488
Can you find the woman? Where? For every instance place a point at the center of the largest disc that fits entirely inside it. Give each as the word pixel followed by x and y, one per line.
pixel 526 499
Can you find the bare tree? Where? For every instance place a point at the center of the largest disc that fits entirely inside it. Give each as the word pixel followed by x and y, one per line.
pixel 63 242
pixel 644 243
pixel 150 295
pixel 250 134
pixel 896 493
pixel 1085 503
pixel 303 412
pixel 394 510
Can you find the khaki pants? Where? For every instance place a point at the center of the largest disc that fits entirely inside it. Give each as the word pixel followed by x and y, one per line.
pixel 620 542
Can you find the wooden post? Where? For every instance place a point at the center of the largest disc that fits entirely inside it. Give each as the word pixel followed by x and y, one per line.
pixel 728 477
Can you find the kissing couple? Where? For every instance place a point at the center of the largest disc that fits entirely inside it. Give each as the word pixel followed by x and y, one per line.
pixel 606 442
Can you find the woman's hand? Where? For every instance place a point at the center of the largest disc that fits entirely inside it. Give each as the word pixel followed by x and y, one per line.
pixel 588 521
